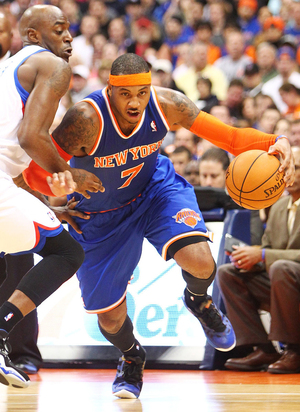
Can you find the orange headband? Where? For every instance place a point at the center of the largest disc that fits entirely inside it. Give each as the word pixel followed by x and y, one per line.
pixel 130 79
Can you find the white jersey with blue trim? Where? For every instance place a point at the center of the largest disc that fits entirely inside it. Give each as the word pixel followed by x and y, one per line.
pixel 13 159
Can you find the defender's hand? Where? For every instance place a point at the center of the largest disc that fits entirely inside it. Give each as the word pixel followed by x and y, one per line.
pixel 62 183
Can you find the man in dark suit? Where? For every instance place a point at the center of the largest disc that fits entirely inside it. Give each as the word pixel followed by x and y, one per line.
pixel 268 277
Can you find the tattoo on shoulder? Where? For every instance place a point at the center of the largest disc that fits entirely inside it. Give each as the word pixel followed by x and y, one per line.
pixel 76 131
pixel 171 100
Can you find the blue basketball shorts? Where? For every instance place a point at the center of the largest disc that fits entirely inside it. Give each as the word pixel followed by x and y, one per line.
pixel 163 215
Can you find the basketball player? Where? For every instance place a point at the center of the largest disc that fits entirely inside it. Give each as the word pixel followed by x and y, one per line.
pixel 116 133
pixel 32 83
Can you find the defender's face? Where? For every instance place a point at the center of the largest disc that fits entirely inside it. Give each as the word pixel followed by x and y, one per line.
pixel 128 103
pixel 56 36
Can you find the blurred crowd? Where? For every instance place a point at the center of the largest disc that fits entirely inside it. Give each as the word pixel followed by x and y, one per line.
pixel 236 59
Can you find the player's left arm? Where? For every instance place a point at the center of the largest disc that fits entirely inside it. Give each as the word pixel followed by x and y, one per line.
pixel 181 111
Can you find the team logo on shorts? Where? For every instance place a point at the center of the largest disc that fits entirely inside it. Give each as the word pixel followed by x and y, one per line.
pixel 188 217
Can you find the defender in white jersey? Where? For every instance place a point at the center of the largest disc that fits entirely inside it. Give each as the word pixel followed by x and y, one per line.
pixel 32 82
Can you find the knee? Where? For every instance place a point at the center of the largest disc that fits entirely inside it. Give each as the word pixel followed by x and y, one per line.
pixel 225 276
pixel 109 323
pixel 278 271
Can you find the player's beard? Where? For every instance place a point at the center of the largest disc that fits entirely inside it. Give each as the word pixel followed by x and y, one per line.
pixel 1 50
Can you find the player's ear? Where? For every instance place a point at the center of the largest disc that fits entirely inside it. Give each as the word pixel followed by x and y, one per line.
pixel 33 35
pixel 109 87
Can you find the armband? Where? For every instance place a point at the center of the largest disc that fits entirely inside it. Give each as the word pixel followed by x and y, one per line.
pixel 263 254
pixel 282 136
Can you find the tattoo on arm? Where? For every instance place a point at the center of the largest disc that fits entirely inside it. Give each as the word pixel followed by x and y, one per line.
pixel 60 79
pixel 178 107
pixel 76 132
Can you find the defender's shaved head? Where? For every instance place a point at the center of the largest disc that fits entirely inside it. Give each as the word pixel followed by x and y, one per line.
pixel 36 16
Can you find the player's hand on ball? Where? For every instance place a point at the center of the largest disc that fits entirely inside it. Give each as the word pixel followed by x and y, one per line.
pixel 283 148
pixel 62 183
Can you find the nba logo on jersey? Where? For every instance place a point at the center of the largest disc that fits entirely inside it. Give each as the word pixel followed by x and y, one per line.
pixel 188 217
pixel 52 217
pixel 153 126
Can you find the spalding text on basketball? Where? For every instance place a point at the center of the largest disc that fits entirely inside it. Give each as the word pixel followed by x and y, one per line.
pixel 271 190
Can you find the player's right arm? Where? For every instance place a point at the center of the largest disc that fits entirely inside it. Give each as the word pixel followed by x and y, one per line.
pixel 46 77
pixel 181 111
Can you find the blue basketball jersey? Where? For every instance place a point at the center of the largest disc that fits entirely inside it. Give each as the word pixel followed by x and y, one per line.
pixel 124 164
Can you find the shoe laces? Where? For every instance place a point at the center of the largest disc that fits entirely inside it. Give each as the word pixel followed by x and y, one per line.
pixel 211 316
pixel 131 369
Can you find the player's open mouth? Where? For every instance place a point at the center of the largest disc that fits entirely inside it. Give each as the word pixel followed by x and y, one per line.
pixel 68 51
pixel 133 113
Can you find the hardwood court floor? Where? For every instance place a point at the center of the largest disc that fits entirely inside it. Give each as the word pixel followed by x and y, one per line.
pixel 82 390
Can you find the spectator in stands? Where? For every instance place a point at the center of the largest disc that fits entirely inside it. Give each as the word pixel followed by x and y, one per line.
pixel 234 98
pixel 184 60
pixel 268 120
pixel 249 111
pixel 222 113
pixel 203 33
pixel 247 19
pixel 145 34
pixel 207 100
pixel 287 72
pixel 217 18
pixel 290 95
pixel 80 87
pixel 272 32
pixel 133 11
pixel 103 13
pixel 82 44
pixel 295 133
pixel 117 34
pixel 283 126
pixel 266 61
pixel 186 138
pixel 233 65
pixel 180 157
pixel 252 79
pixel 274 286
pixel 212 168
pixel 162 71
pixel 175 33
pixel 200 67
pixel 294 21
pixel 191 172
pixel 71 9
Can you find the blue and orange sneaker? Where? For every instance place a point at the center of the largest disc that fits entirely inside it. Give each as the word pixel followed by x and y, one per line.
pixel 216 325
pixel 10 375
pixel 129 378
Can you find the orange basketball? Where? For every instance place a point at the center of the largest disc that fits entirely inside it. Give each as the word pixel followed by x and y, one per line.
pixel 253 180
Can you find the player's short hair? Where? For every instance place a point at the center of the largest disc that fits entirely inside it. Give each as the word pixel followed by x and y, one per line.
pixel 129 63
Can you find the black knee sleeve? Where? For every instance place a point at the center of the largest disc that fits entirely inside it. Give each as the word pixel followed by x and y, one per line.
pixel 198 286
pixel 62 256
